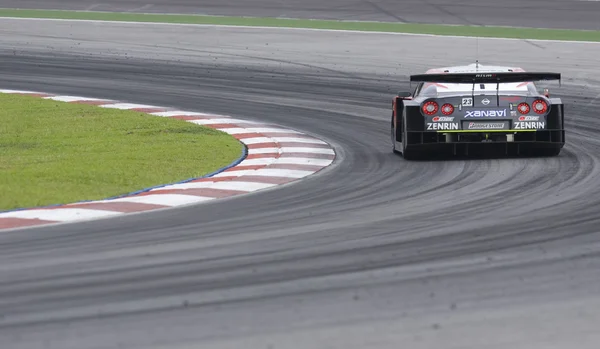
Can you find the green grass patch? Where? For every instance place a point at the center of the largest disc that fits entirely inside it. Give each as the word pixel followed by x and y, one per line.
pixel 56 152
pixel 455 30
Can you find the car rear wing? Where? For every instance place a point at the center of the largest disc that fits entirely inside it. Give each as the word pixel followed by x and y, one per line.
pixel 486 78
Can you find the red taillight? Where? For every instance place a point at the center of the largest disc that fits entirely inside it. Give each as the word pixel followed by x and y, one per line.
pixel 430 108
pixel 447 109
pixel 523 108
pixel 539 106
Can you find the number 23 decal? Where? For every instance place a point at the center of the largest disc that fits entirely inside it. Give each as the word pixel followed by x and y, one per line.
pixel 467 102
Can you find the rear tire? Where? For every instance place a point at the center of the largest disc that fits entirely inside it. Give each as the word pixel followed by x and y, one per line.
pixel 408 153
pixel 393 137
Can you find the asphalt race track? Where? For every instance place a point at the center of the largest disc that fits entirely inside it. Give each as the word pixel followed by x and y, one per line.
pixel 375 252
pixel 568 14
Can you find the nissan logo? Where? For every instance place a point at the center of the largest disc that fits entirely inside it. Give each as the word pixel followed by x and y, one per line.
pixel 485 101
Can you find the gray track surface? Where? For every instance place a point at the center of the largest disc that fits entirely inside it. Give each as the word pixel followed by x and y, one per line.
pixel 375 252
pixel 568 14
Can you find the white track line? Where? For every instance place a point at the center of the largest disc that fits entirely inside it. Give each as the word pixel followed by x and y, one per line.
pixel 60 214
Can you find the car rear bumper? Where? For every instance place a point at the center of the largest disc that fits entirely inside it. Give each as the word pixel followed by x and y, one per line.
pixel 549 137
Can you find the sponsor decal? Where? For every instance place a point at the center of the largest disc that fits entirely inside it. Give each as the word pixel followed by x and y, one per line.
pixel 485 101
pixel 442 126
pixel 484 75
pixel 513 113
pixel 443 118
pixel 526 125
pixel 486 126
pixel 529 118
pixel 486 114
pixel 467 102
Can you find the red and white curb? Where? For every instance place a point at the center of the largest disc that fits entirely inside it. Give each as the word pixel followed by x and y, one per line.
pixel 275 156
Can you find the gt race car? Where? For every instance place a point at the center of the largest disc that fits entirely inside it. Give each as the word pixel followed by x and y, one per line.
pixel 472 109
